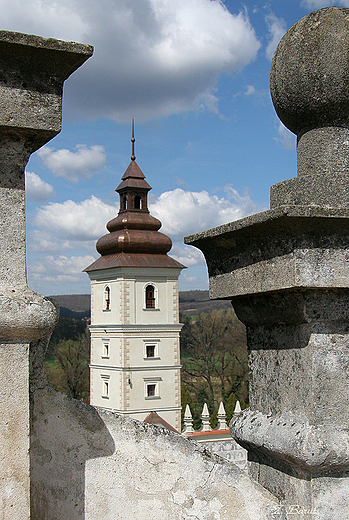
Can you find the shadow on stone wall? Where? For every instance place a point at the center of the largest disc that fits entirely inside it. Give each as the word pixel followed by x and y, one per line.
pixel 65 433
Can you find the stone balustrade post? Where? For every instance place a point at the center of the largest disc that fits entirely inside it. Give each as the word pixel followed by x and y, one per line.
pixel 32 72
pixel 286 271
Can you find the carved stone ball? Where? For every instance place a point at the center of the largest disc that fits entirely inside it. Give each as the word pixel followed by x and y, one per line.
pixel 309 79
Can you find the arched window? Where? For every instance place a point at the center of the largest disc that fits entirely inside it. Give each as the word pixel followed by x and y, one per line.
pixel 124 202
pixel 138 202
pixel 107 298
pixel 150 297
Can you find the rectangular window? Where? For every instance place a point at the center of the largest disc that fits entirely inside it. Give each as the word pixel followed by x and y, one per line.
pixel 105 387
pixel 151 348
pixel 105 350
pixel 151 390
pixel 150 351
pixel 152 387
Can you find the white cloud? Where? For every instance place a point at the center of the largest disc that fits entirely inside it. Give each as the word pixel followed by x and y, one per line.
pixel 317 4
pixel 185 212
pixel 187 255
pixel 276 28
pixel 59 269
pixel 191 281
pixel 152 57
pixel 73 165
pixel 59 226
pixel 44 241
pixel 36 188
pixel 250 90
pixel 71 220
pixel 287 138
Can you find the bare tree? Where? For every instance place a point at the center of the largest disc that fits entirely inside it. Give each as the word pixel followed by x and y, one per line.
pixel 215 356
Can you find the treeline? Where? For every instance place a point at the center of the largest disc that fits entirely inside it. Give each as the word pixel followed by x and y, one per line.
pixel 213 358
pixel 214 363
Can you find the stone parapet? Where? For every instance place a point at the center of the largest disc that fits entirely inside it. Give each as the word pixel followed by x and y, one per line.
pixel 32 72
pixel 286 272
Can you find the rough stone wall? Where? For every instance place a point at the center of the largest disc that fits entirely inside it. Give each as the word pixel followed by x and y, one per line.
pixel 87 463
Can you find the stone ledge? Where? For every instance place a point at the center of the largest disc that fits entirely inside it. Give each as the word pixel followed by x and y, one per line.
pixel 318 450
pixel 281 248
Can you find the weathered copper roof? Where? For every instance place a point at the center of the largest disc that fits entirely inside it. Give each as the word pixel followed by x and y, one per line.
pixel 133 260
pixel 154 418
pixel 133 178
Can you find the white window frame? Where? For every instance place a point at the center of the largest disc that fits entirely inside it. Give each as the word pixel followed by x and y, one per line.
pixel 105 386
pixel 105 349
pixel 154 343
pixel 152 381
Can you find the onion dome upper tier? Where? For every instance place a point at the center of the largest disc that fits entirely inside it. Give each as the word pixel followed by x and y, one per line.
pixel 134 230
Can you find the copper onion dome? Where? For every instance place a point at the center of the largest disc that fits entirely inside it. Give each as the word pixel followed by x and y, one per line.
pixel 133 237
pixel 134 230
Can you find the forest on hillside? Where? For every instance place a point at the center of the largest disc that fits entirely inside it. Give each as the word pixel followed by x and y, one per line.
pixel 213 355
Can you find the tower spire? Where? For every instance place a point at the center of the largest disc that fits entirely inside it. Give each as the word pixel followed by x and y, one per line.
pixel 133 157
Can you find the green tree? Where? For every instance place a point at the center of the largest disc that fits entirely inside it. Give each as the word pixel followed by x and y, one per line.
pixel 69 370
pixel 67 328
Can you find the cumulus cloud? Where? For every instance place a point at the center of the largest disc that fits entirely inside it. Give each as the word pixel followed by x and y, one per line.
pixel 44 241
pixel 71 220
pixel 185 212
pixel 36 188
pixel 187 255
pixel 276 28
pixel 317 4
pixel 59 269
pixel 82 163
pixel 250 90
pixel 59 226
pixel 287 139
pixel 152 58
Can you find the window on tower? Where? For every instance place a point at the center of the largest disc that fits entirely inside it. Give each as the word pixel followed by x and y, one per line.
pixel 152 387
pixel 151 390
pixel 107 298
pixel 105 387
pixel 150 297
pixel 150 351
pixel 105 349
pixel 138 202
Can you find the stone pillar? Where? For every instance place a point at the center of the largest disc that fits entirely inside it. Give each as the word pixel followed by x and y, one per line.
pixel 32 72
pixel 286 271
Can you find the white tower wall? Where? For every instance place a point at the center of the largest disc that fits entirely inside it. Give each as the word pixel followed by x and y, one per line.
pixel 135 354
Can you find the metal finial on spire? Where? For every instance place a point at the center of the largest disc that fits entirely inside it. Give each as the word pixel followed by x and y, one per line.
pixel 133 157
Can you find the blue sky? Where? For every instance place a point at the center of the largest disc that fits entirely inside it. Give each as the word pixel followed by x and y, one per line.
pixel 195 76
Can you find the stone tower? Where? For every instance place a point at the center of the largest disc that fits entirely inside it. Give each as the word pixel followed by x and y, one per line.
pixel 135 356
